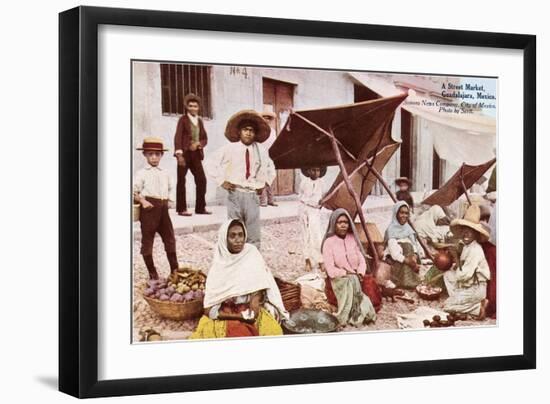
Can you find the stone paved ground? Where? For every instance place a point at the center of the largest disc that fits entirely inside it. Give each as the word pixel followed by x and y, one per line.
pixel 282 252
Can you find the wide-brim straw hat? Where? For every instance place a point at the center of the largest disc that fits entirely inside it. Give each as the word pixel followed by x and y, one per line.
pixel 191 97
pixel 471 220
pixel 402 179
pixel 152 144
pixel 262 128
pixel 321 175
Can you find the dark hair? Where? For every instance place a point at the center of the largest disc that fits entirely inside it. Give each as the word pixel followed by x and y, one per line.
pixel 236 222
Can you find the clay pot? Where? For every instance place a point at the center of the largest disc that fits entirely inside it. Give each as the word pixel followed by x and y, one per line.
pixel 443 260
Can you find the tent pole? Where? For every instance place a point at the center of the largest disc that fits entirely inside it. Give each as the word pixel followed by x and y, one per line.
pixel 464 185
pixel 353 195
pixel 394 199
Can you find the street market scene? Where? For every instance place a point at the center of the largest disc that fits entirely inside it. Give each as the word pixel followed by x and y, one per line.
pixel 275 201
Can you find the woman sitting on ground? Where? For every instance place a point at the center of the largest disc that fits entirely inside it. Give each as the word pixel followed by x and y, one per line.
pixel 433 224
pixel 466 283
pixel 241 296
pixel 345 264
pixel 402 248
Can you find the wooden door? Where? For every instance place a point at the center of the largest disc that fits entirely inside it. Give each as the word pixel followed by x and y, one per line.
pixel 279 98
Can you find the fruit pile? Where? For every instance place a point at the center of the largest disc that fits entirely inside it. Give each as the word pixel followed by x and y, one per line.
pixel 437 322
pixel 184 285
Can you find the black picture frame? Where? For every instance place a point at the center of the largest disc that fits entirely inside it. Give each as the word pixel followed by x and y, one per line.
pixel 78 196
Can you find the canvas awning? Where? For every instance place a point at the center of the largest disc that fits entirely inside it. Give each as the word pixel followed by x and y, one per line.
pixel 359 128
pixel 449 130
pixel 454 188
pixel 363 181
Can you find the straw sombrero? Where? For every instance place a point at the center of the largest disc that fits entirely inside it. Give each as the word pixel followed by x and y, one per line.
pixel 152 144
pixel 191 97
pixel 262 128
pixel 471 220
pixel 323 172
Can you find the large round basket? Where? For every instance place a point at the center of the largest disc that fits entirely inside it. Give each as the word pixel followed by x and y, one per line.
pixel 433 293
pixel 176 311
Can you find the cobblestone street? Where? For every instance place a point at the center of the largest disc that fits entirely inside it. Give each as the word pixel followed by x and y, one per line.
pixel 282 252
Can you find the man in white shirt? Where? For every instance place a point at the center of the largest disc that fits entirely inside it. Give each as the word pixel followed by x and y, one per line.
pixel 242 168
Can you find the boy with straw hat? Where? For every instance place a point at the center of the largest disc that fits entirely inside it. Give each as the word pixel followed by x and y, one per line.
pixel 242 168
pixel 466 283
pixel 152 190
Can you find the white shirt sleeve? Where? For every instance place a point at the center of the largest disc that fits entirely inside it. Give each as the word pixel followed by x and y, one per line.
pixel 139 182
pixel 395 251
pixel 216 165
pixel 270 172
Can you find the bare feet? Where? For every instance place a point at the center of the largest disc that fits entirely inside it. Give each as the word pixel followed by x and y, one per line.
pixel 483 309
pixel 184 213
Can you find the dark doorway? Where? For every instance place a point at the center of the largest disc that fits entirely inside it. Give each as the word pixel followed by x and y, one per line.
pixel 406 145
pixel 279 96
pixel 436 170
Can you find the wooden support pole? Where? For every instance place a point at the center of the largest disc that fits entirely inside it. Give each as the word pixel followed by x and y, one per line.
pixel 464 185
pixel 394 199
pixel 354 196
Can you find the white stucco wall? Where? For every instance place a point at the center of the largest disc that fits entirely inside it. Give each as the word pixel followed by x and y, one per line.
pixel 235 88
pixel 231 92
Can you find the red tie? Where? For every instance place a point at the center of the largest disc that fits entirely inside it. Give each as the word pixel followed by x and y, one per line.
pixel 247 160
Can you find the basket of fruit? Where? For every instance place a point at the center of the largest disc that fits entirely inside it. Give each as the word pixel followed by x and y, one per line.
pixel 428 292
pixel 179 297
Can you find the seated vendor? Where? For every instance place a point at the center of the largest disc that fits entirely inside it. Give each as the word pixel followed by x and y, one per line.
pixel 241 296
pixel 466 282
pixel 433 224
pixel 402 250
pixel 345 264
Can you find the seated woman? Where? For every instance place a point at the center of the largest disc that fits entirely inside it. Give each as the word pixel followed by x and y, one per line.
pixel 402 248
pixel 466 283
pixel 241 297
pixel 345 265
pixel 433 224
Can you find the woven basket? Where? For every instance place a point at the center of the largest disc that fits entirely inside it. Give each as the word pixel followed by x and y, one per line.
pixel 290 292
pixel 135 211
pixel 174 310
pixel 430 296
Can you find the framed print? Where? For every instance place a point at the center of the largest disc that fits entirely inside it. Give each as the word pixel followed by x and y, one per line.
pixel 269 202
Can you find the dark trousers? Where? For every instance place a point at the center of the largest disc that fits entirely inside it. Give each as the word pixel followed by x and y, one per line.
pixel 193 163
pixel 156 220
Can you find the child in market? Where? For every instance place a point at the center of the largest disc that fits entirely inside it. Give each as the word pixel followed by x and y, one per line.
pixel 152 190
pixel 309 213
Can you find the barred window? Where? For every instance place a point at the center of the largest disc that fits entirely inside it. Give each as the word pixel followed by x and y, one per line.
pixel 177 80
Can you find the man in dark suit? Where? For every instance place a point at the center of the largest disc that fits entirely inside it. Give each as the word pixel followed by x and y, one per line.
pixel 189 142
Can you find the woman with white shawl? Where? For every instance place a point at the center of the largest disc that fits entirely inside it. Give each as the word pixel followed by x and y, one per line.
pixel 428 224
pixel 241 296
pixel 402 248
